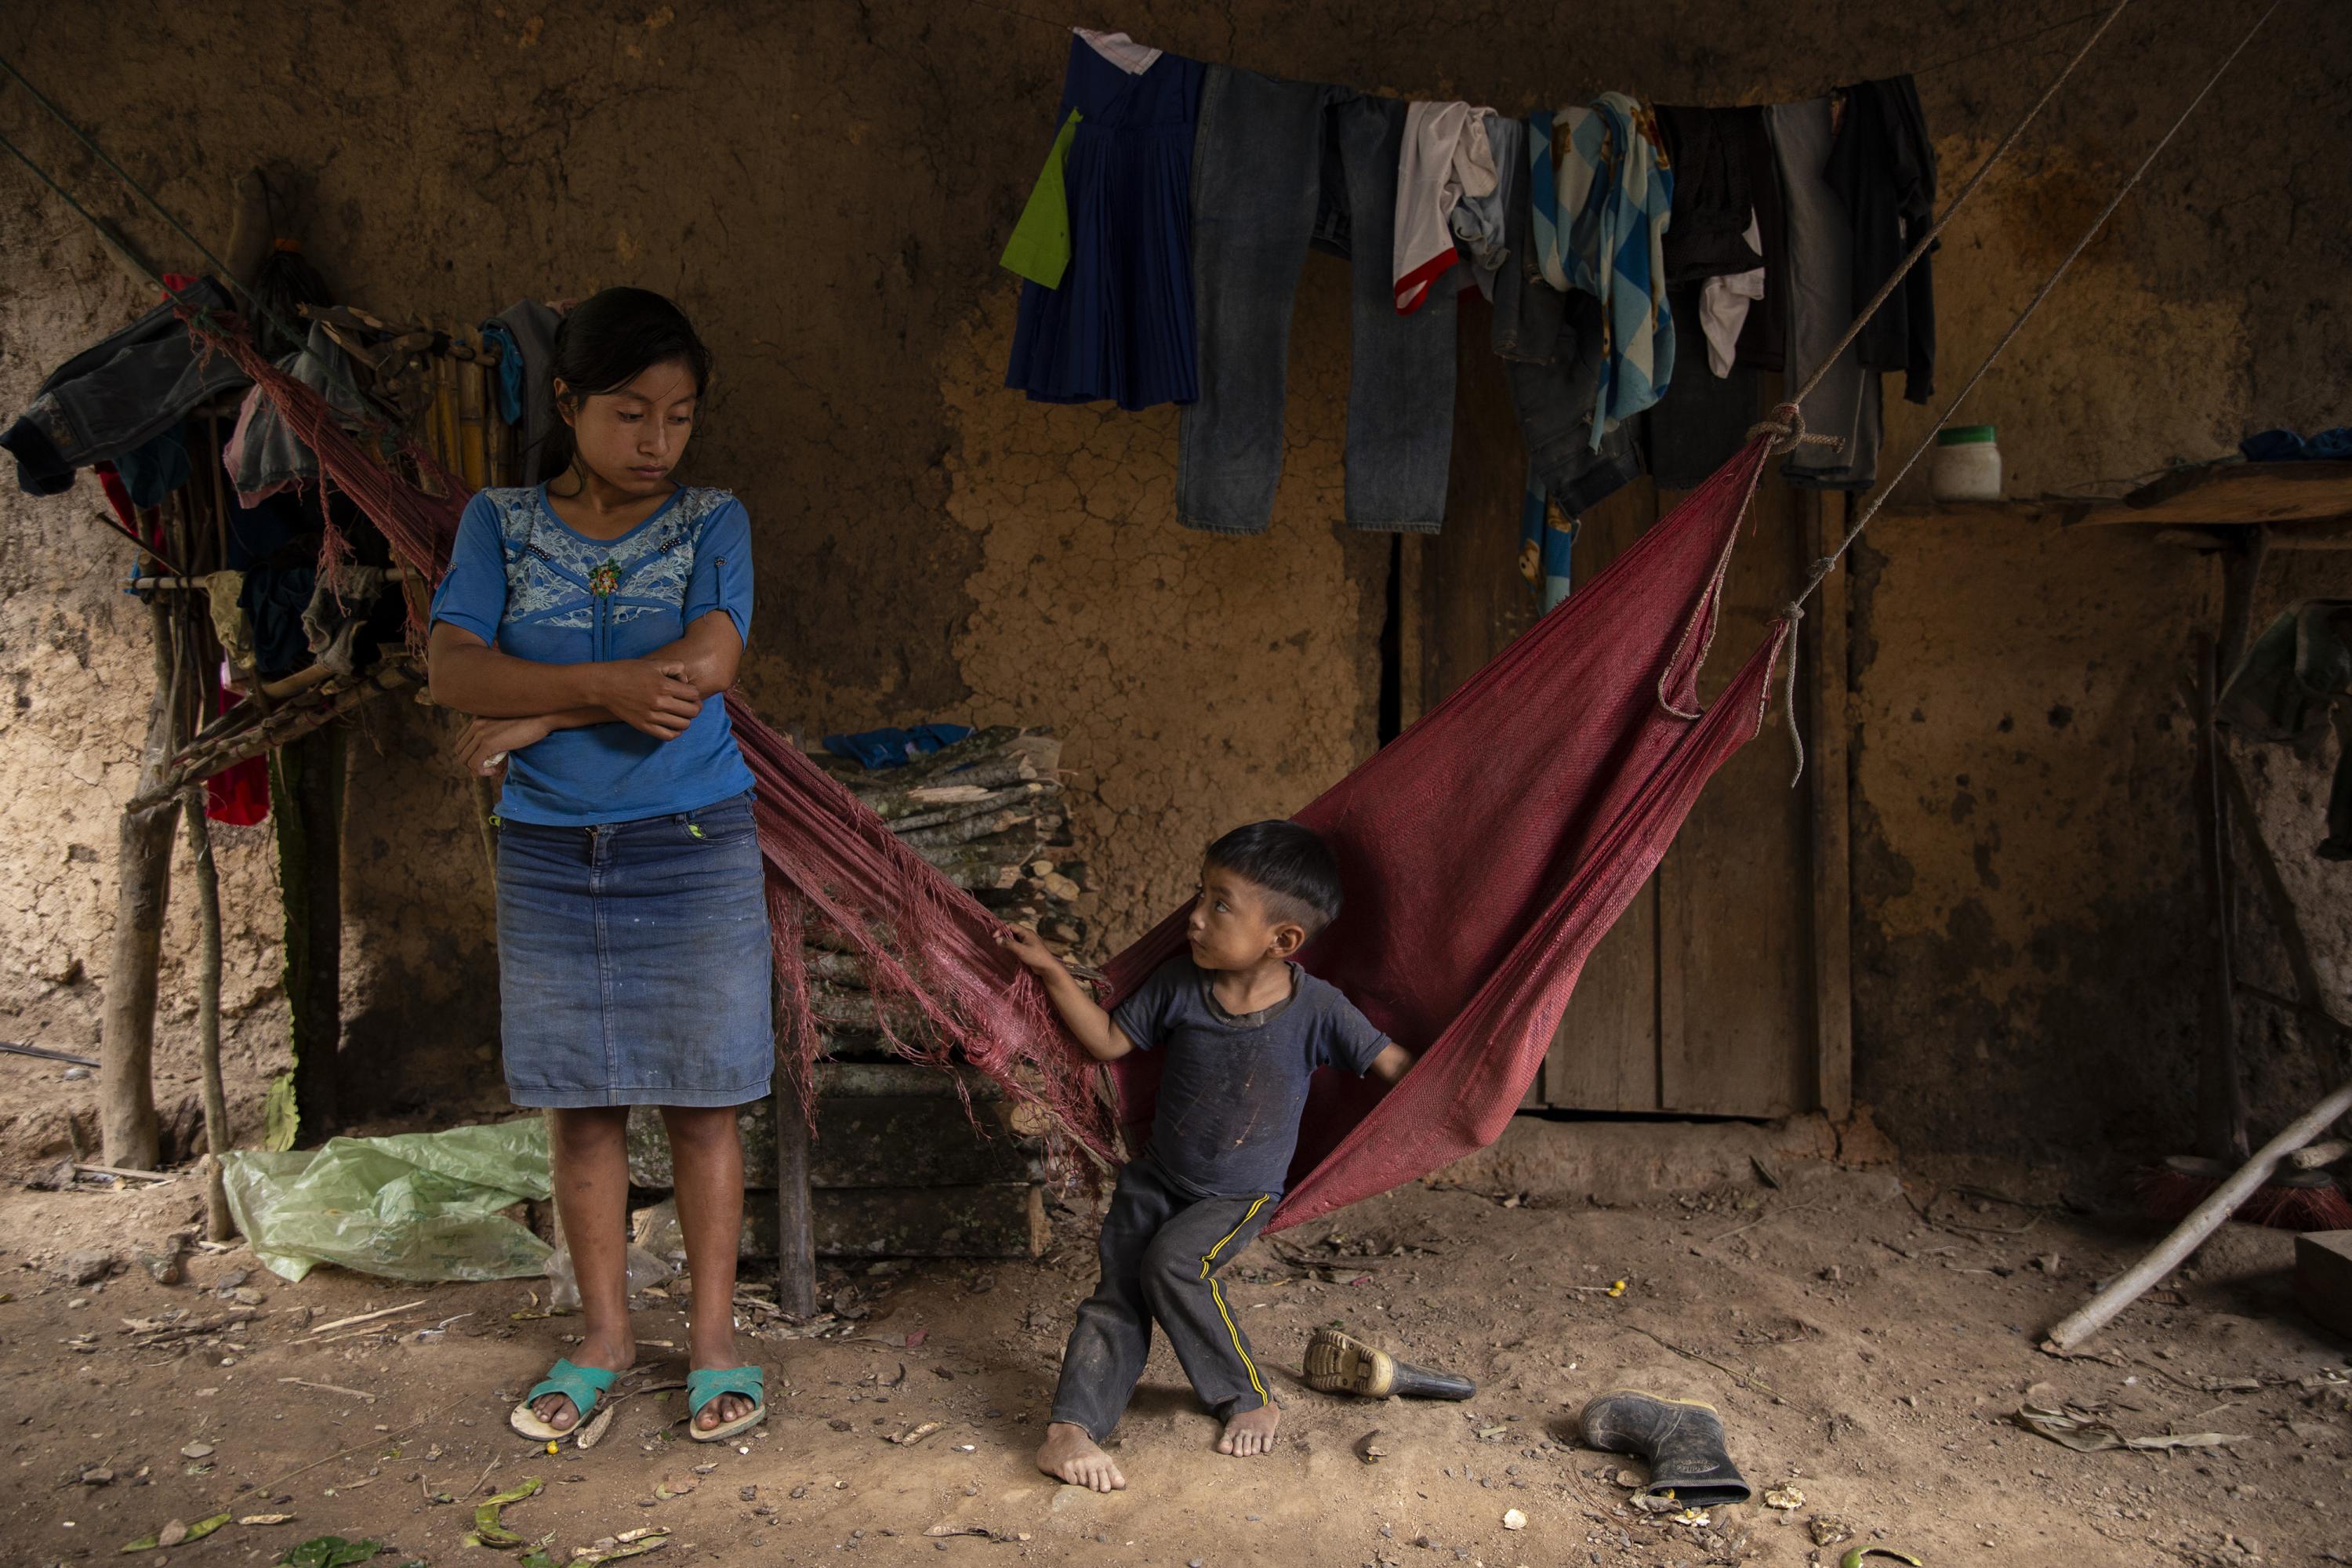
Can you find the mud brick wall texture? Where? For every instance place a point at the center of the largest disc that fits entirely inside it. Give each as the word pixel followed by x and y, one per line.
pixel 826 186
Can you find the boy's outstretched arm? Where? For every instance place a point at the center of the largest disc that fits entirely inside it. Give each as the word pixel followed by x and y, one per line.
pixel 1393 1062
pixel 1102 1038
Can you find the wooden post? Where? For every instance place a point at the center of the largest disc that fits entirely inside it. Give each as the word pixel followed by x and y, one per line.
pixel 126 1088
pixel 2220 1099
pixel 306 798
pixel 795 1229
pixel 218 1225
pixel 1821 639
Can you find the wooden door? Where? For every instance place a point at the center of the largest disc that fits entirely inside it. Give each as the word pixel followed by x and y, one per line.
pixel 1723 989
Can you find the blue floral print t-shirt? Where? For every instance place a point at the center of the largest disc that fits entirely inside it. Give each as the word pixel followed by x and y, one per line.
pixel 525 582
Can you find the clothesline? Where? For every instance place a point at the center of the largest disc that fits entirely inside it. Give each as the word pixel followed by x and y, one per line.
pixel 1976 54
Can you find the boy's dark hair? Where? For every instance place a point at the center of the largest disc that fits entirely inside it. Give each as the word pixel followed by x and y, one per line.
pixel 1289 862
pixel 605 342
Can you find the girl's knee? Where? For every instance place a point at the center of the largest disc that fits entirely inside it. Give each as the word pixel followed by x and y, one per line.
pixel 700 1127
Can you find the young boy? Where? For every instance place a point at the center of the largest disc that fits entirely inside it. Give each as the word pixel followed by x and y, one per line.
pixel 1243 1028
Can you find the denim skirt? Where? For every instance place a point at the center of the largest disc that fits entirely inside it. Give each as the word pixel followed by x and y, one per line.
pixel 634 963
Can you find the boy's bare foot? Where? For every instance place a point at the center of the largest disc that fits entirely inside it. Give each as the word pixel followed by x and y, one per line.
pixel 1250 1433
pixel 1070 1454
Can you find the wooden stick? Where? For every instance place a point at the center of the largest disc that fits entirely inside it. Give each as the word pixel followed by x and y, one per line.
pixel 16 1050
pixel 218 1224
pixel 367 1317
pixel 332 1388
pixel 2319 1156
pixel 129 1176
pixel 285 725
pixel 2203 1221
pixel 165 584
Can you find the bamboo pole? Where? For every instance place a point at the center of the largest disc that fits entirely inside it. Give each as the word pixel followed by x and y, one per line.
pixel 473 450
pixel 445 410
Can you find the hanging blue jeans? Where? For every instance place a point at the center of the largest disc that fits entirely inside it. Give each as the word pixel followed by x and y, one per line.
pixel 1277 166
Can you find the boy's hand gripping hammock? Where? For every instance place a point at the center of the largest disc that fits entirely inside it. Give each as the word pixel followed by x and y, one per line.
pixel 1484 852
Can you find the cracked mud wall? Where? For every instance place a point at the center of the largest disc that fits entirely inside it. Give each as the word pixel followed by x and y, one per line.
pixel 826 185
pixel 804 181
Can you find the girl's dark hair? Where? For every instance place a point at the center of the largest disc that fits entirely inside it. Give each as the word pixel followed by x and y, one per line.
pixel 1291 863
pixel 603 342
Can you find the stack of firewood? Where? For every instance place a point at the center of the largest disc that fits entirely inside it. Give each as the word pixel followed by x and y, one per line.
pixel 988 812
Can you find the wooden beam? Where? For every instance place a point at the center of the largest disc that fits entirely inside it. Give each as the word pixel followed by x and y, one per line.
pixel 795 1219
pixel 2235 492
pixel 1822 639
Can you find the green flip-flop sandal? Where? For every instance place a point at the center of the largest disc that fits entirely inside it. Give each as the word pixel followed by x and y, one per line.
pixel 585 1386
pixel 708 1383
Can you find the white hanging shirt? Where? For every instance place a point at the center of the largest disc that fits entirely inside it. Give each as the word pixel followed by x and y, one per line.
pixel 1446 155
pixel 1119 51
pixel 1723 306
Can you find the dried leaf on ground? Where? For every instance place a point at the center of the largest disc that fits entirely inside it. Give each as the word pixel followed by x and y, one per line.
pixel 2089 1435
pixel 489 1530
pixel 178 1532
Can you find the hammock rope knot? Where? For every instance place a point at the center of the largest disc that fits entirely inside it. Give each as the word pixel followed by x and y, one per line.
pixel 1786 426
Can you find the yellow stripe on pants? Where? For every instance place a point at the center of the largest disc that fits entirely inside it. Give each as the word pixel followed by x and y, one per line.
pixel 1207 1259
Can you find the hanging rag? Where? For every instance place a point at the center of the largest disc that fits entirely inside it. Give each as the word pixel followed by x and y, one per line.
pixel 1547 544
pixel 1039 249
pixel 1448 157
pixel 1566 766
pixel 874 749
pixel 1703 419
pixel 1882 167
pixel 526 330
pixel 1602 196
pixel 118 394
pixel 1483 223
pixel 1712 158
pixel 2292 688
pixel 1764 335
pixel 1724 304
pixel 2330 446
pixel 263 457
pixel 153 472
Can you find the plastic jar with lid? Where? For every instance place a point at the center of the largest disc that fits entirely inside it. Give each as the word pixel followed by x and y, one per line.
pixel 1967 466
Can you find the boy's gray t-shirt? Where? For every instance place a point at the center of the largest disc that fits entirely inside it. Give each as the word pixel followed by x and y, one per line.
pixel 1231 1086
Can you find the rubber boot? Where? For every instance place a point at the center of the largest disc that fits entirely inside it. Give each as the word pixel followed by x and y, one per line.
pixel 1680 1438
pixel 1339 1365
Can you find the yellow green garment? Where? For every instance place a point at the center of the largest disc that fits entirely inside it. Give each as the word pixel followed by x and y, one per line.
pixel 1039 249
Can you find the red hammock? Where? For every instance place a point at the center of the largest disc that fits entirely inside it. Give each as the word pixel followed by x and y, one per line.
pixel 1488 849
pixel 1484 852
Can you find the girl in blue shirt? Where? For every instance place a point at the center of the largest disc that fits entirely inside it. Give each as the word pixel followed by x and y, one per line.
pixel 589 625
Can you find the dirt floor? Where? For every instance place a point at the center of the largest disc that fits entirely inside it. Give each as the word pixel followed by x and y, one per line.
pixel 1868 1341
